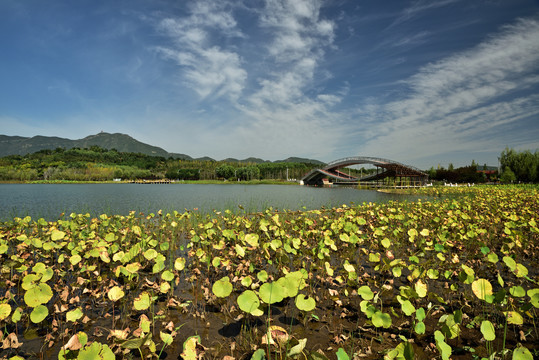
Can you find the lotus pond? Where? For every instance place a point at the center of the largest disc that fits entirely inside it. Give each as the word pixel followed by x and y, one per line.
pixel 453 278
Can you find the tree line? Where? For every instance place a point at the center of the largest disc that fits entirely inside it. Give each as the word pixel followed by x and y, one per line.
pixel 98 164
pixel 519 166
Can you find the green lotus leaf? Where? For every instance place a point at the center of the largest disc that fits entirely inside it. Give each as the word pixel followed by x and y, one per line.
pixel 247 281
pixel 115 293
pixel 39 294
pixel 30 281
pixel 262 275
pixel 521 271
pixel 297 349
pixel 443 347
pixel 510 262
pixel 259 354
pixel 420 314
pixel 167 275
pixel 481 288
pixel 407 307
pixel 420 327
pixel 96 351
pixel 305 304
pixel 142 302
pixel 522 353
pixel 133 268
pixel 365 292
pixel 513 317
pixel 240 251
pixel 222 288
pixel 166 337
pixel 190 348
pixel 342 355
pixel 17 314
pixel 252 240
pixel 150 254
pixel 135 343
pixel 271 293
pixel 74 315
pixel 57 235
pixel 75 259
pixel 39 314
pixel 248 301
pixel 179 264
pixel 420 288
pixel 534 296
pixel 487 329
pixel 380 319
pixel 5 310
pixel 517 291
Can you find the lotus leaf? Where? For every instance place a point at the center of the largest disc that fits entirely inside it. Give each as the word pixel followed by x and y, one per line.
pixel 39 313
pixel 487 329
pixel 167 275
pixel 481 288
pixel 164 287
pixel 5 310
pixel 259 354
pixel 365 292
pixel 150 254
pixel 342 355
pixel 305 304
pixel 522 353
pixel 179 264
pixel 252 240
pixel 74 315
pixel 421 288
pixel 115 293
pixel 222 288
pixel 96 351
pixel 248 301
pixel 510 262
pixel 30 281
pixel 75 259
pixel 142 302
pixel 239 250
pixel 166 337
pixel 380 319
pixel 517 291
pixel 513 317
pixel 534 296
pixel 247 281
pixel 420 327
pixel 262 275
pixel 191 348
pixel 443 348
pixel 271 293
pixel 57 235
pixel 39 294
pixel 297 349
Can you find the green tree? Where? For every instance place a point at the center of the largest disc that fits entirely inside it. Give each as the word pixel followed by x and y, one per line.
pixel 508 176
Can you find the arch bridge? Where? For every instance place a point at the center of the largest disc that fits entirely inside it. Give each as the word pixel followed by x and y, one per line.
pixel 384 169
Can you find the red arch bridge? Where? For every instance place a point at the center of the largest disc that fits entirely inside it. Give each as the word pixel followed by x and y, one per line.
pixel 400 174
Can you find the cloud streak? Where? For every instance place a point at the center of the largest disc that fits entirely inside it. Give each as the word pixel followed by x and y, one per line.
pixel 464 98
pixel 209 69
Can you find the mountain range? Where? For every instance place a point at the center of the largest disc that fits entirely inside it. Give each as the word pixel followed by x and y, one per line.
pixel 19 145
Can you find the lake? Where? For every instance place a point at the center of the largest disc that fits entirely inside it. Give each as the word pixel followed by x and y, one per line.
pixel 50 200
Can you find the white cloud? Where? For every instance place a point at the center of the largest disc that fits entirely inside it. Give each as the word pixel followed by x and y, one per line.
pixel 209 69
pixel 464 100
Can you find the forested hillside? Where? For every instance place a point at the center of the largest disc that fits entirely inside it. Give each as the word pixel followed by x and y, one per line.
pixel 99 164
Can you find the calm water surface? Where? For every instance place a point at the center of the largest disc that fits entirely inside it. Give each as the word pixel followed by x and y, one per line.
pixel 50 200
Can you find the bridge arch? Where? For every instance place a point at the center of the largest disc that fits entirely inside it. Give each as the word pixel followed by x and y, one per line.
pixel 390 169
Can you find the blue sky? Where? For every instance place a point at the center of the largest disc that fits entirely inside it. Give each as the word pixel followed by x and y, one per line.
pixel 420 82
